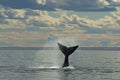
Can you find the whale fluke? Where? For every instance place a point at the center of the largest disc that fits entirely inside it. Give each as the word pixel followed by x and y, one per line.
pixel 67 51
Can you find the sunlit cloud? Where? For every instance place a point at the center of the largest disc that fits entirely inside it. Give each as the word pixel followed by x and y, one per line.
pixel 28 27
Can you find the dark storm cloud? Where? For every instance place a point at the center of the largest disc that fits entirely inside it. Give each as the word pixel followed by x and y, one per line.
pixel 77 5
pixel 88 5
pixel 20 4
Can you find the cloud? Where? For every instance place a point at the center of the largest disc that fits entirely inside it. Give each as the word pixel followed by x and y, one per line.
pixel 23 38
pixel 28 18
pixel 88 5
pixel 22 18
pixel 114 2
pixel 77 5
pixel 27 27
pixel 7 14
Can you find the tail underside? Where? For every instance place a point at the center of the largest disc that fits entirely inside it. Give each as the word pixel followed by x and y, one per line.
pixel 67 51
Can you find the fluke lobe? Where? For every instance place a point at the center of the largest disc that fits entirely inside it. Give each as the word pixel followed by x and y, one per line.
pixel 67 51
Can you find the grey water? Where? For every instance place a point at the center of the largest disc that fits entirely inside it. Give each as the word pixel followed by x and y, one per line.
pixel 46 65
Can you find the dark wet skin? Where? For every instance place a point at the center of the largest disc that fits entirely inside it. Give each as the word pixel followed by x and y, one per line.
pixel 67 51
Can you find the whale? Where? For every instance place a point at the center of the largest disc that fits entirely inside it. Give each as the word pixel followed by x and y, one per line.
pixel 67 51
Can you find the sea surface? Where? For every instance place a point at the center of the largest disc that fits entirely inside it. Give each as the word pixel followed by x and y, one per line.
pixel 46 65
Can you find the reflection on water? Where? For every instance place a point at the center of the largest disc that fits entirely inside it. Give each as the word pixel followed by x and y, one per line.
pixel 47 58
pixel 30 58
pixel 46 65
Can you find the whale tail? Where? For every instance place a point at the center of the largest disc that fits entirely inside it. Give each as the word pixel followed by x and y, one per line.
pixel 67 51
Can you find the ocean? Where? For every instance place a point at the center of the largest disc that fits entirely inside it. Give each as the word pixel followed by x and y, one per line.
pixel 46 65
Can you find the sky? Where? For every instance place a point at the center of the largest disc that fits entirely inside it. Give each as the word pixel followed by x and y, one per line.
pixel 43 23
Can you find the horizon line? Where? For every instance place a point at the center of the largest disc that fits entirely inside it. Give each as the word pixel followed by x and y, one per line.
pixel 56 48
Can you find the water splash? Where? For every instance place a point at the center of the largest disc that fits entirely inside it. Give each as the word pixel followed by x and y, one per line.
pixel 44 67
pixel 69 67
pixel 48 58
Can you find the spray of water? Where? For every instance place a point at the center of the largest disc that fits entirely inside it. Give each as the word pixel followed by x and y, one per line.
pixel 51 58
